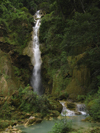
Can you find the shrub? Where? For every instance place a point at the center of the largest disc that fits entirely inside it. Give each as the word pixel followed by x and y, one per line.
pixel 94 106
pixel 30 101
pixel 61 126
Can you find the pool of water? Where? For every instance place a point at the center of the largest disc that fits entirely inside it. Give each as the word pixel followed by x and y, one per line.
pixel 46 126
pixel 43 127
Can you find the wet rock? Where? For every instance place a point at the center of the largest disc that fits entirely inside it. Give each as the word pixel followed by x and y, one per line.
pixel 7 84
pixel 37 115
pixel 38 120
pixel 54 113
pixel 77 113
pixel 10 127
pixel 12 130
pixel 30 121
pixel 55 105
pixel 48 118
pixel 27 115
pixel 70 105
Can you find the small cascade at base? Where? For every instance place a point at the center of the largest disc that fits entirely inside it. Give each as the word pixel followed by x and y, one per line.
pixel 79 108
pixel 65 111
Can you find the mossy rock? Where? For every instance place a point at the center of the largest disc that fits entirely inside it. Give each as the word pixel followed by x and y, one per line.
pixel 37 115
pixel 54 113
pixel 74 89
pixel 38 120
pixel 89 118
pixel 63 95
pixel 55 105
pixel 33 120
pixel 70 105
pixel 30 121
pixel 5 123
pixel 77 113
pixel 7 83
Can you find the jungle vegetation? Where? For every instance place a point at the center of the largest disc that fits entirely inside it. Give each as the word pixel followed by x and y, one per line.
pixel 68 28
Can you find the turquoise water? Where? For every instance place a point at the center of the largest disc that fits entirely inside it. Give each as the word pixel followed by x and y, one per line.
pixel 42 127
pixel 46 126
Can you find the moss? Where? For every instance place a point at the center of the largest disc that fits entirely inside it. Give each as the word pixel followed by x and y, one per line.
pixel 59 84
pixel 70 105
pixel 5 123
pixel 7 85
pixel 74 89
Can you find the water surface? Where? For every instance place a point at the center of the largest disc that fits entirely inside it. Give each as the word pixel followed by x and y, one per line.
pixel 46 126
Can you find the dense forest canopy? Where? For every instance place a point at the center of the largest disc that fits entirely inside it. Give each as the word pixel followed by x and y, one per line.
pixel 71 28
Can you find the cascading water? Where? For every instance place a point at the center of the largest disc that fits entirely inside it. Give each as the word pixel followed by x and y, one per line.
pixel 65 111
pixel 36 59
pixel 79 108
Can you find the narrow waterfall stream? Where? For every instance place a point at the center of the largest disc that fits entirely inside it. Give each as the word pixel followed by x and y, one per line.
pixel 36 59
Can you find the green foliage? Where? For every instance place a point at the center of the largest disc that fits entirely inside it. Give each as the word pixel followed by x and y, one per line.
pixel 93 104
pixel 30 101
pixel 81 97
pixel 21 74
pixel 56 58
pixel 61 126
pixel 69 32
pixel 5 124
pixel 5 111
pixel 44 6
pixel 16 24
pixel 16 71
pixel 69 28
pixel 23 100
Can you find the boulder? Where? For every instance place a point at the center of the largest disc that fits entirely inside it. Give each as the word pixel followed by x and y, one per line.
pixel 55 105
pixel 54 113
pixel 37 115
pixel 30 121
pixel 77 113
pixel 38 120
pixel 70 105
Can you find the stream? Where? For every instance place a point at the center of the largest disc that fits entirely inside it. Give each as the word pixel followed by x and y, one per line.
pixel 76 120
pixel 46 126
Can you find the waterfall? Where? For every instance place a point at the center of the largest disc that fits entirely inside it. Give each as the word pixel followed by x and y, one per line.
pixel 36 59
pixel 65 111
pixel 81 108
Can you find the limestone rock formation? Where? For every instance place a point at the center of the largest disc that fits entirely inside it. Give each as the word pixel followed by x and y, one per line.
pixel 7 84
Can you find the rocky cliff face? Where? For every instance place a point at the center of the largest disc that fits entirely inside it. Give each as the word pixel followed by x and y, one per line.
pixel 74 82
pixel 80 77
pixel 7 84
pixel 15 70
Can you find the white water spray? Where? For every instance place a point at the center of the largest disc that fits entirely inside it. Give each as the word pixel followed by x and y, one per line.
pixel 36 59
pixel 65 111
pixel 79 108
